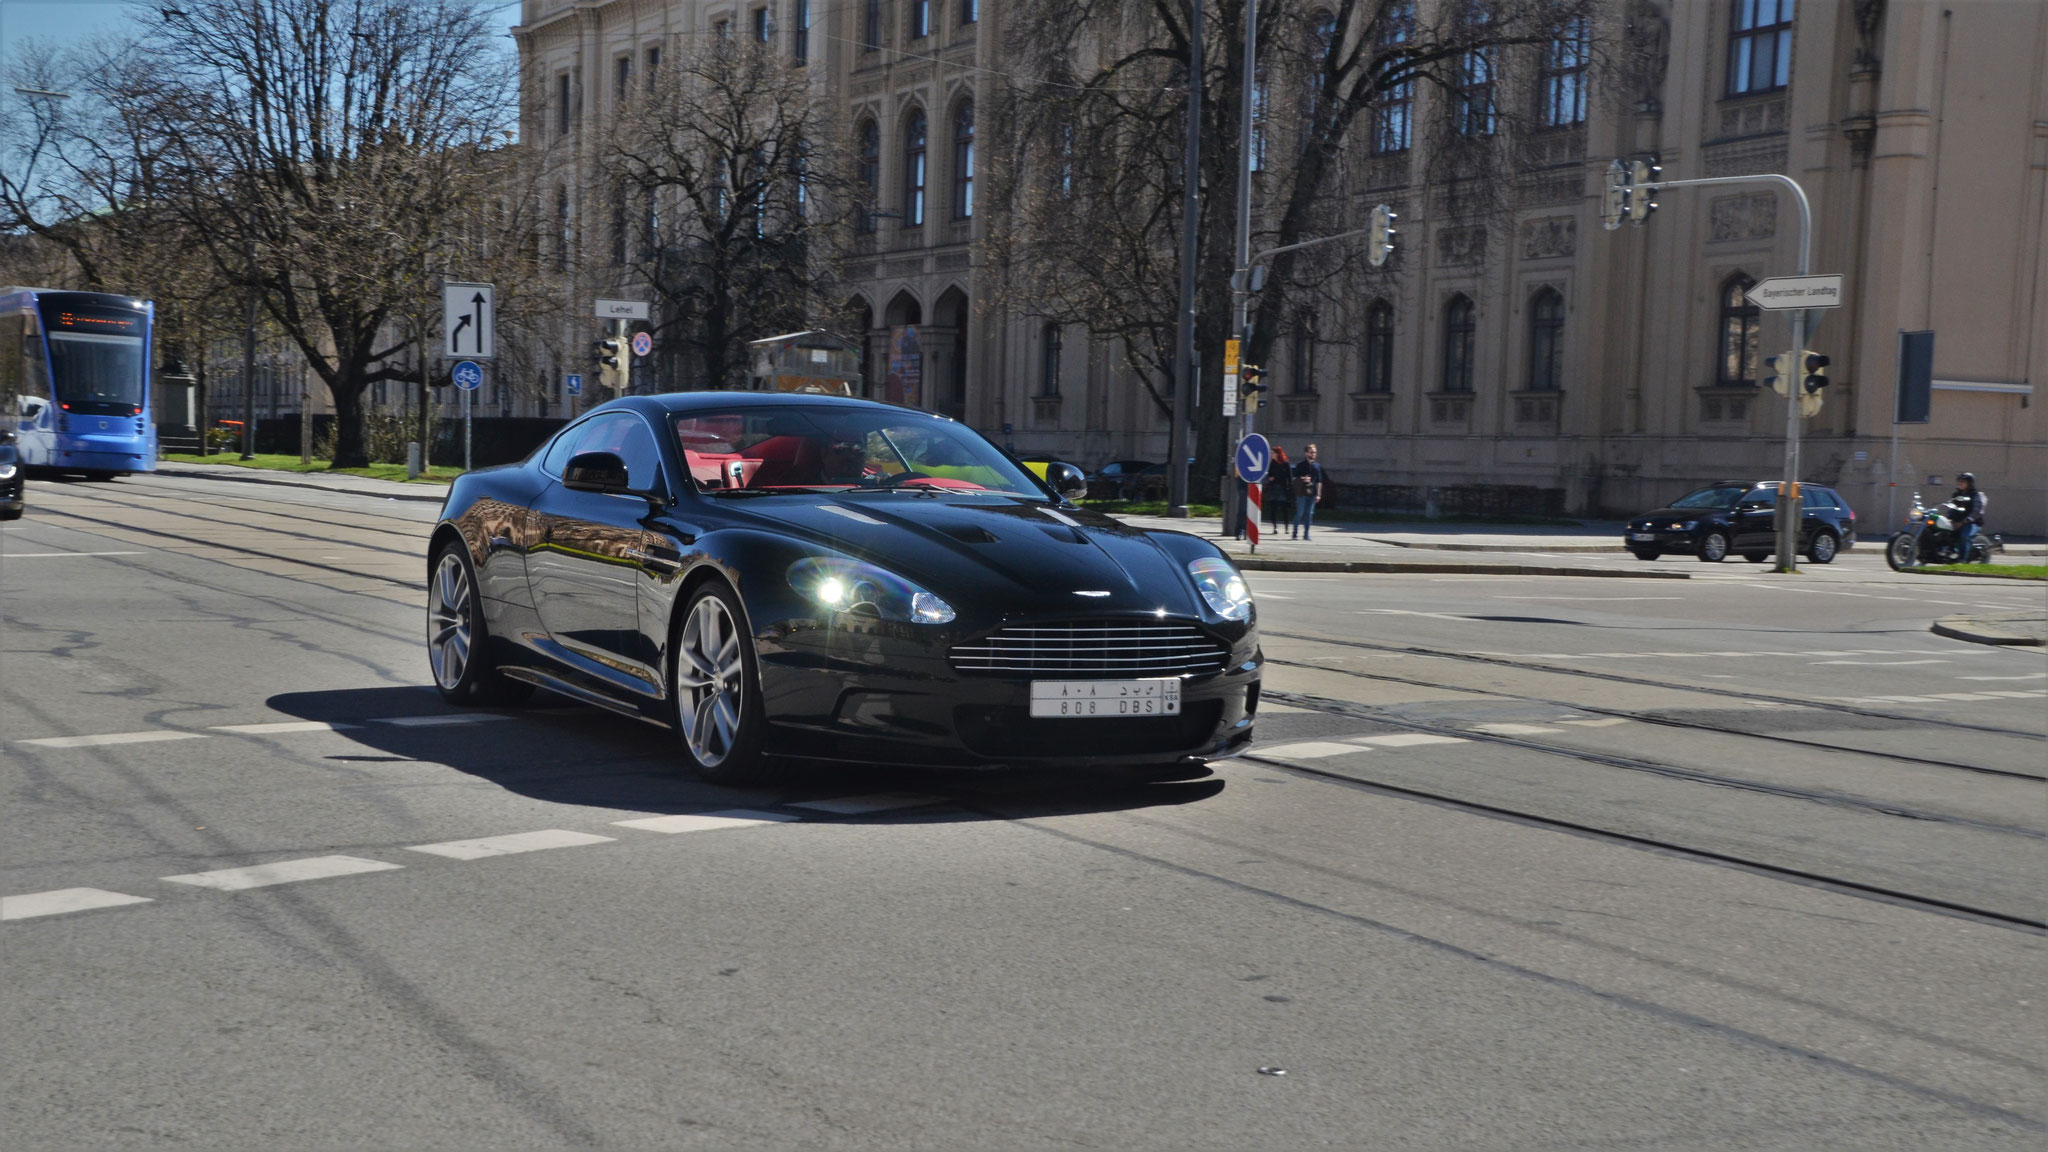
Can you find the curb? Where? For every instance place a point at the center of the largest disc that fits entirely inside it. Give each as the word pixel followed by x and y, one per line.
pixel 1977 630
pixel 1258 564
pixel 1919 571
pixel 262 476
pixel 1559 548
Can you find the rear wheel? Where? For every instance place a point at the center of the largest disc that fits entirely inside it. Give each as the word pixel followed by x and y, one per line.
pixel 1713 546
pixel 713 680
pixel 1900 552
pixel 1645 553
pixel 458 646
pixel 12 513
pixel 1823 548
pixel 99 477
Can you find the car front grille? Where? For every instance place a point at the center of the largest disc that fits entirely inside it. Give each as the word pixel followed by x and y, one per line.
pixel 1093 648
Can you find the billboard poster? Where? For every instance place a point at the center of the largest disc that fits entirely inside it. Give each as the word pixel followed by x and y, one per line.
pixel 906 368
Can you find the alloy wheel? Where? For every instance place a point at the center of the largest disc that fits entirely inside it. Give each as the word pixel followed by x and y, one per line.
pixel 711 681
pixel 448 630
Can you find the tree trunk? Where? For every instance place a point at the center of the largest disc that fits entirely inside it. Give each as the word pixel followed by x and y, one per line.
pixel 350 451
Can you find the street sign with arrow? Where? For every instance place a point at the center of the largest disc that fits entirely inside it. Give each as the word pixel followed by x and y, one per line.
pixel 470 321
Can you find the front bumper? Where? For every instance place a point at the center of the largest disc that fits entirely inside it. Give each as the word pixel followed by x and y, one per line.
pixel 874 692
pixel 1661 540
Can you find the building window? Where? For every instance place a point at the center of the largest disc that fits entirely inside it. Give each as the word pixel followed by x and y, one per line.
pixel 970 11
pixel 564 237
pixel 565 112
pixel 963 161
pixel 653 65
pixel 650 234
pixel 1393 111
pixel 1736 362
pixel 1304 374
pixel 622 78
pixel 1760 46
pixel 1049 343
pixel 1379 347
pixel 871 27
pixel 869 174
pixel 1546 341
pixel 914 168
pixel 721 30
pixel 1561 79
pixel 764 28
pixel 1473 101
pixel 620 233
pixel 1460 328
pixel 920 19
pixel 800 31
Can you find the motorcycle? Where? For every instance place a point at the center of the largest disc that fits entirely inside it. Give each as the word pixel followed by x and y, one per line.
pixel 1929 537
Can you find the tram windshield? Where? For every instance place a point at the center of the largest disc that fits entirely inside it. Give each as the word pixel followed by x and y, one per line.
pixel 96 373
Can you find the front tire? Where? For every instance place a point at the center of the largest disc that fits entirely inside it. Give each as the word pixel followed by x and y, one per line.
pixel 458 644
pixel 1645 553
pixel 1756 557
pixel 1823 548
pixel 1713 546
pixel 714 680
pixel 1901 552
pixel 1980 551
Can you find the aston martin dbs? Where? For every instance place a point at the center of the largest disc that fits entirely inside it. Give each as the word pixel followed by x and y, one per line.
pixel 792 576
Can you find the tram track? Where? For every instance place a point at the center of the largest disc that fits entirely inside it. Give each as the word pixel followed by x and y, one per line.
pixel 294 534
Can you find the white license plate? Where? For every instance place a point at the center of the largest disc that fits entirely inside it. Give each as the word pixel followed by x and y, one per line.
pixel 1085 699
pixel 1642 535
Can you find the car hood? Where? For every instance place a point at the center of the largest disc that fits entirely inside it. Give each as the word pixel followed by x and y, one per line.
pixel 1684 514
pixel 1024 555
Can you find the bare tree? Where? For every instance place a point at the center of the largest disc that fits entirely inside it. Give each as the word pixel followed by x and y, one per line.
pixel 1346 92
pixel 723 187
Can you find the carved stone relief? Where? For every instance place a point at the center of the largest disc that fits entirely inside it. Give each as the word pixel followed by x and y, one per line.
pixel 1549 236
pixel 1745 157
pixel 1745 217
pixel 1461 245
pixel 1753 117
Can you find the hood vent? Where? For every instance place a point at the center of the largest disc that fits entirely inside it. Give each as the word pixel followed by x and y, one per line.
pixel 970 534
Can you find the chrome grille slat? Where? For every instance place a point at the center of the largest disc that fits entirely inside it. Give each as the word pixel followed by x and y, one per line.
pixel 1092 648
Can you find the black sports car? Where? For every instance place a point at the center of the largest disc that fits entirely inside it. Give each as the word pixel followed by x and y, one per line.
pixel 808 576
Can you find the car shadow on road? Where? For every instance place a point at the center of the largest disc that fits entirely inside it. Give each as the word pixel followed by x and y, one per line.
pixel 567 753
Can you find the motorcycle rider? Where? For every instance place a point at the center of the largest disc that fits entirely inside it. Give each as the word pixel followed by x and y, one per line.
pixel 1969 514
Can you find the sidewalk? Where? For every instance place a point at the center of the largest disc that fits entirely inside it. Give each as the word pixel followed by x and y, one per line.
pixel 1362 546
pixel 2018 628
pixel 431 492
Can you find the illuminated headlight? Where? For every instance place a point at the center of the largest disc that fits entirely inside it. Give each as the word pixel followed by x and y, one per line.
pixel 7 471
pixel 841 585
pixel 1222 587
pixel 1684 525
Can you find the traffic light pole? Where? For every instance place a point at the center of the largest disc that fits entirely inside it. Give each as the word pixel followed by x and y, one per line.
pixel 1190 254
pixel 1233 500
pixel 1788 509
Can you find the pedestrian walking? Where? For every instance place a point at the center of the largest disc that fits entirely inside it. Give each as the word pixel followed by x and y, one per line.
pixel 1308 492
pixel 1279 491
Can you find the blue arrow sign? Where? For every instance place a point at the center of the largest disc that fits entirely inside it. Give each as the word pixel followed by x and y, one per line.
pixel 1254 458
pixel 574 382
pixel 468 375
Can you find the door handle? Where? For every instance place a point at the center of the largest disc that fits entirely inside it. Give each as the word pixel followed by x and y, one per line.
pixel 663 562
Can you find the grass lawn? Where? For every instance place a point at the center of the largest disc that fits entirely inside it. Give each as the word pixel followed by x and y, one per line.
pixel 281 462
pixel 1326 514
pixel 2005 571
pixel 1147 507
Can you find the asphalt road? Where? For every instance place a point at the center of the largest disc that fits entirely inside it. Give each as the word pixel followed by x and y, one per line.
pixel 1517 862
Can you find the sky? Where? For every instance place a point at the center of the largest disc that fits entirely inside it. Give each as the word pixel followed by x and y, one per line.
pixel 71 21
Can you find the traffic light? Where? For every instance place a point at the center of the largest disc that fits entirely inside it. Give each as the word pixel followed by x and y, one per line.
pixel 1815 366
pixel 1381 244
pixel 1781 369
pixel 614 366
pixel 1614 198
pixel 1643 176
pixel 1250 382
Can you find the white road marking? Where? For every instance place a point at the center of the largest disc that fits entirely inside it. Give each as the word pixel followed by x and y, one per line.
pixel 43 555
pixel 440 720
pixel 280 727
pixel 509 845
pixel 1267 706
pixel 874 802
pixel 2028 676
pixel 282 872
pixel 1962 696
pixel 1602 722
pixel 1512 729
pixel 2011 694
pixel 1407 740
pixel 1877 663
pixel 1600 598
pixel 705 821
pixel 112 738
pixel 63 900
pixel 1310 750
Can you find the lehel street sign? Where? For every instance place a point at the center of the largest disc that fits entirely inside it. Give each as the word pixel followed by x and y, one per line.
pixel 622 310
pixel 1782 293
pixel 469 320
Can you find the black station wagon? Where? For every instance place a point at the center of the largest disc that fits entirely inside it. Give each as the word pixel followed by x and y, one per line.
pixel 1736 516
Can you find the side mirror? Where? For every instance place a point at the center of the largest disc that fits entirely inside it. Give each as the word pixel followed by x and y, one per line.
pixel 595 472
pixel 1066 480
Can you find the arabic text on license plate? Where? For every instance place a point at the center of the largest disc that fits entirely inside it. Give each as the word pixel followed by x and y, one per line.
pixel 1642 535
pixel 1083 699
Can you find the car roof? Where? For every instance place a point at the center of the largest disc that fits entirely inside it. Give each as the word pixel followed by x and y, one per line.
pixel 678 403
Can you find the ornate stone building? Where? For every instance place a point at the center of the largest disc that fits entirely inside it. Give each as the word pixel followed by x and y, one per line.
pixel 1536 350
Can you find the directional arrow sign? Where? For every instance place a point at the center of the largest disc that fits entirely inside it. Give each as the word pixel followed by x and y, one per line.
pixel 1782 293
pixel 469 317
pixel 1254 457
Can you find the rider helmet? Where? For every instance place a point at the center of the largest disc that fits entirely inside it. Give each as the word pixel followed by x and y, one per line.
pixel 1969 478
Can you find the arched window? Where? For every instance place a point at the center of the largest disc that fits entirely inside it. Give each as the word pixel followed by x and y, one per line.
pixel 1460 327
pixel 914 168
pixel 1379 347
pixel 1736 363
pixel 1546 341
pixel 869 174
pixel 1392 113
pixel 1049 345
pixel 963 161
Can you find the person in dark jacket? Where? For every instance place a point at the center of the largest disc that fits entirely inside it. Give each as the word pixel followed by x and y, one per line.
pixel 1308 492
pixel 1278 494
pixel 1970 502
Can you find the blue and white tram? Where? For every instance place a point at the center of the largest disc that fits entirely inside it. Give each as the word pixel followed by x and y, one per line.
pixel 74 380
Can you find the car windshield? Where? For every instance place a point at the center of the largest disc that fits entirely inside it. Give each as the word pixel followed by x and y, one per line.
pixel 762 449
pixel 1715 498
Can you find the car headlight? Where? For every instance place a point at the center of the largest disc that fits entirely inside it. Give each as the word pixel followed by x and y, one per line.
pixel 1684 525
pixel 842 585
pixel 7 471
pixel 1222 587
